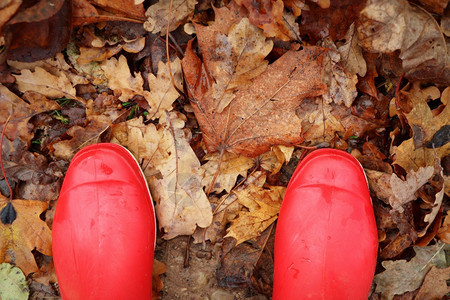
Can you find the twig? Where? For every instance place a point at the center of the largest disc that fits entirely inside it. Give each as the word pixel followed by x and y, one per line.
pixel 187 252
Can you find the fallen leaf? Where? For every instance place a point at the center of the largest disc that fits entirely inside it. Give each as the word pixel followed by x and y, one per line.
pixel 126 7
pixel 444 231
pixel 263 114
pixel 233 59
pixel 45 83
pixel 21 112
pixel 14 284
pixel 88 55
pixel 403 276
pixel 404 191
pixel 81 137
pixel 263 207
pixel 351 53
pixel 231 166
pixel 274 159
pixel 341 84
pixel 142 140
pixel 272 18
pixel 181 204
pixel 159 268
pixel 434 285
pixel 386 26
pixel 46 273
pixel 120 79
pixel 158 15
pixel 26 233
pixel 8 9
pixel 162 92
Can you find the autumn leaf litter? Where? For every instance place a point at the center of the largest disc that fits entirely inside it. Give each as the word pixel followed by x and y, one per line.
pixel 250 88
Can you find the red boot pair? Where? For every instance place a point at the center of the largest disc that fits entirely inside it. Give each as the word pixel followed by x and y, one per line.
pixel 104 229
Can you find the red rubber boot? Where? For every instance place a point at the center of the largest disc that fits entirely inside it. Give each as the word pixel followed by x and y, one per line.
pixel 326 237
pixel 104 227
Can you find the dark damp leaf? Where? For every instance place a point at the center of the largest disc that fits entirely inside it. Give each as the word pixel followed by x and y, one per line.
pixel 440 138
pixel 8 214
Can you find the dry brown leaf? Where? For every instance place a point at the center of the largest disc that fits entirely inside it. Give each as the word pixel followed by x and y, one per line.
pixel 162 92
pixel 404 191
pixel 81 137
pixel 434 285
pixel 142 140
pixel 274 159
pixel 159 268
pixel 181 204
pixel 234 58
pixel 26 233
pixel 403 276
pixel 120 79
pixel 135 46
pixel 351 53
pixel 263 114
pixel 21 112
pixel 158 14
pixel 45 83
pixel 386 26
pixel 272 18
pixel 444 231
pixel 263 208
pixel 88 55
pixel 341 84
pixel 231 166
pixel 126 7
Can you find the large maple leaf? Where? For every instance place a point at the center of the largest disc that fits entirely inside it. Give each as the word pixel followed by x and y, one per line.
pixel 26 233
pixel 264 114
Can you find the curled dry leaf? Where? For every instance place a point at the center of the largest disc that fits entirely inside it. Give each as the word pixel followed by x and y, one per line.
pixel 231 166
pixel 26 233
pixel 234 58
pixel 263 207
pixel 274 159
pixel 181 204
pixel 158 15
pixel 386 26
pixel 263 114
pixel 403 276
pixel 444 231
pixel 88 55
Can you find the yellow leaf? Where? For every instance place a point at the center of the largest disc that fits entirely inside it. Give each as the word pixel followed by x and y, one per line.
pixel 26 233
pixel 263 208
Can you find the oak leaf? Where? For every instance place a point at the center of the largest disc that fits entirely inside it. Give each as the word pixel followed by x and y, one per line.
pixel 43 82
pixel 263 208
pixel 263 114
pixel 26 233
pixel 386 26
pixel 158 14
pixel 162 92
pixel 274 159
pixel 21 112
pixel 231 166
pixel 434 285
pixel 234 58
pixel 181 204
pixel 403 276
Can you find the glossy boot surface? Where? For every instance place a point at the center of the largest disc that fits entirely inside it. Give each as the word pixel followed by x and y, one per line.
pixel 104 227
pixel 326 237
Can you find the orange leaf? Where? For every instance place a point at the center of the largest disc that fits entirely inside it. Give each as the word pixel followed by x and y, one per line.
pixel 26 233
